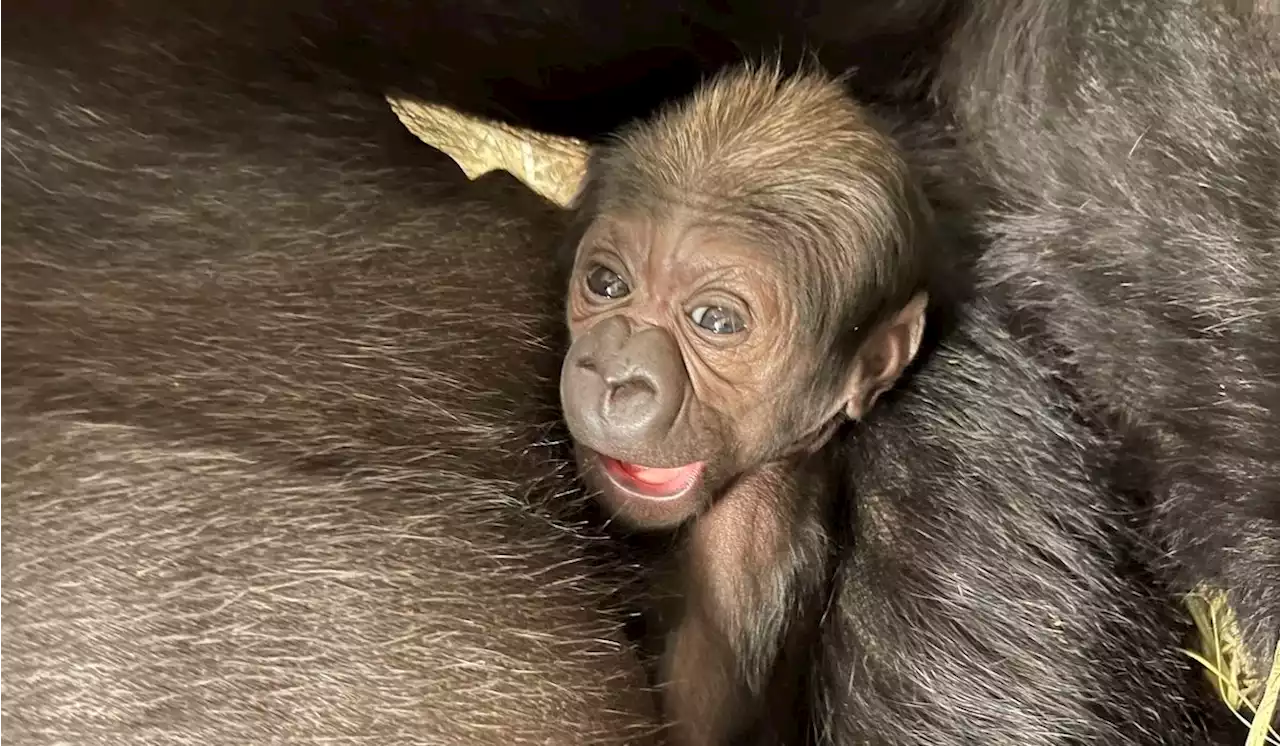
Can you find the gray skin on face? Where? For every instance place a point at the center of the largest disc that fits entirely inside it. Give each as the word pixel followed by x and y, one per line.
pixel 677 387
pixel 662 320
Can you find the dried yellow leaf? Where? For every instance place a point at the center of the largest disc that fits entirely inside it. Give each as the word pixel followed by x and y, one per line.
pixel 550 165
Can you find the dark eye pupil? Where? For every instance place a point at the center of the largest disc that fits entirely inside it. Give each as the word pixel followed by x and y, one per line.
pixel 718 320
pixel 606 283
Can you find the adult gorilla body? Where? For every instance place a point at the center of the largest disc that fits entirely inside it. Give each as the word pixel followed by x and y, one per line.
pixel 278 397
pixel 1131 155
pixel 320 420
pixel 1121 165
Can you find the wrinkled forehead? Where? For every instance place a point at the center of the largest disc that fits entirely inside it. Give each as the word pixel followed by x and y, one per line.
pixel 708 235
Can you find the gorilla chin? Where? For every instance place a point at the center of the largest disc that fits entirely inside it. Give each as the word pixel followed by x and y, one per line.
pixel 640 496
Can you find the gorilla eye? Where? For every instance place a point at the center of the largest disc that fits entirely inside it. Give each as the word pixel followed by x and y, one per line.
pixel 717 319
pixel 606 283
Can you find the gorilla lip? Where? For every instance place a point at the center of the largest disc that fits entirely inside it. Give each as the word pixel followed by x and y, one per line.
pixel 651 482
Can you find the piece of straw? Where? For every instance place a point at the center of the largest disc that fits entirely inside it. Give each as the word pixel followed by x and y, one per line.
pixel 1264 716
pixel 1224 657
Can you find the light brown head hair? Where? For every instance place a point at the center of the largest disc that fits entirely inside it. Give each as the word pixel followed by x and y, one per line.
pixel 795 167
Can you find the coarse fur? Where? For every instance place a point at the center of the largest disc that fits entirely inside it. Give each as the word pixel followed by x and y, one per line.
pixel 280 428
pixel 1064 175
pixel 576 67
pixel 991 585
pixel 1131 160
pixel 963 567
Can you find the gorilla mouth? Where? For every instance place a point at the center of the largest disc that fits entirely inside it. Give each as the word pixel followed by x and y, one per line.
pixel 652 482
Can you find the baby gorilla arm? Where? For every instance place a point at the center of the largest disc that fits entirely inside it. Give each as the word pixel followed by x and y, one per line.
pixel 749 564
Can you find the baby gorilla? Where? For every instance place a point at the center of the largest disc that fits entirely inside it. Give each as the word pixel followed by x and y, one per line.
pixel 750 274
pixel 953 566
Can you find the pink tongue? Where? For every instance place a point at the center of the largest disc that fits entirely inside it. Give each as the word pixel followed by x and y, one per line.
pixel 658 476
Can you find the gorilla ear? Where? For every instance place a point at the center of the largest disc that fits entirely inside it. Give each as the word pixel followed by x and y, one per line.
pixel 884 355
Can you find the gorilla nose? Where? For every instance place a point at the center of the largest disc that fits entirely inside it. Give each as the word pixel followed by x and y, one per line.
pixel 622 389
pixel 630 401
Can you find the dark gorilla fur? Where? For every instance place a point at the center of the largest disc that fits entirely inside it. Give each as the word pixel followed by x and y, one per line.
pixel 280 452
pixel 1132 234
pixel 117 140
pixel 574 66
pixel 987 583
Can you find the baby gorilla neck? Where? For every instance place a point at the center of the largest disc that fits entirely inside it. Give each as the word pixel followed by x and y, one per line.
pixel 654 480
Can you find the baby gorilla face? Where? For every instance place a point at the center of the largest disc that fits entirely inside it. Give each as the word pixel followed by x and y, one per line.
pixel 751 270
pixel 684 361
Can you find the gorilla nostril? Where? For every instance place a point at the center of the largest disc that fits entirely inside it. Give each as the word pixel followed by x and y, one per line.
pixel 631 406
pixel 632 389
